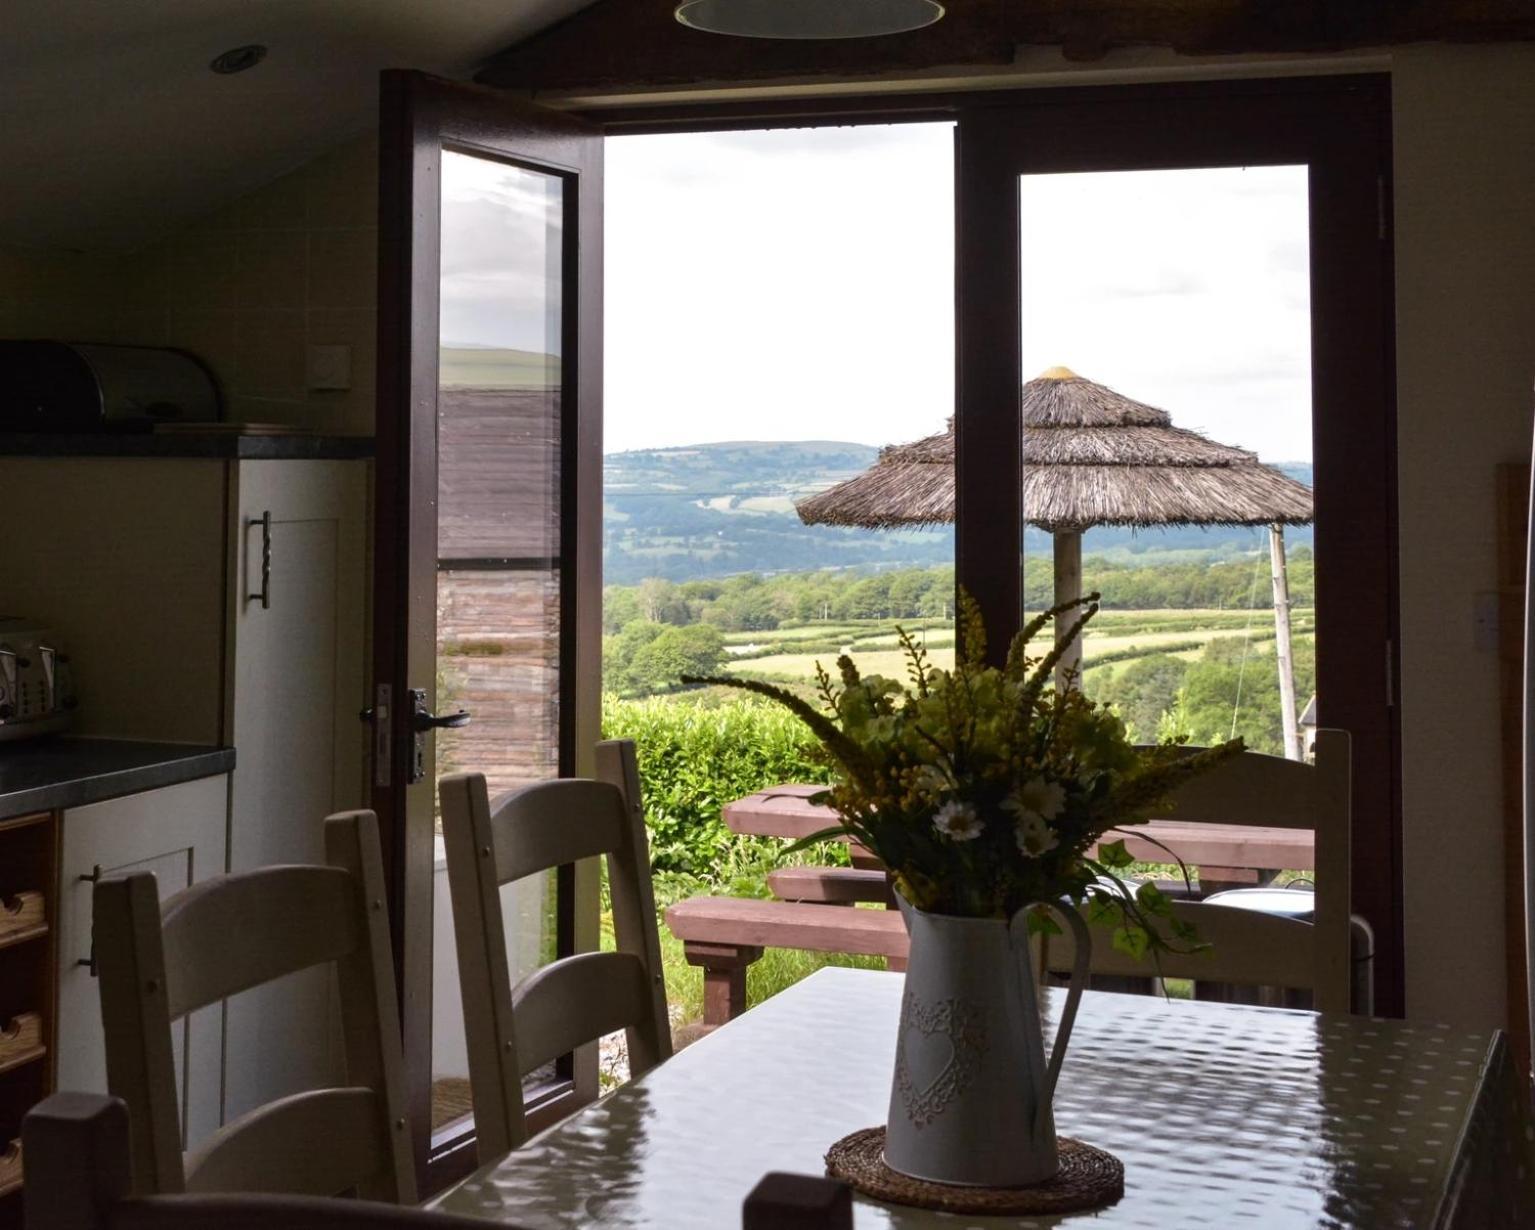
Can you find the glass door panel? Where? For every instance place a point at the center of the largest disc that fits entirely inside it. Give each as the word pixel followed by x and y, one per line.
pixel 498 539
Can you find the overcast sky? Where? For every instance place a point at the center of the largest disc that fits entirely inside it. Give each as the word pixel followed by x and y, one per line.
pixel 798 284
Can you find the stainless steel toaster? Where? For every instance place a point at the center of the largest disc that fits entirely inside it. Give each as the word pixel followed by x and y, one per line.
pixel 37 687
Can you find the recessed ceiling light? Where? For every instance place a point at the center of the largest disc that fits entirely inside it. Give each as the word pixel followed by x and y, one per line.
pixel 808 18
pixel 238 59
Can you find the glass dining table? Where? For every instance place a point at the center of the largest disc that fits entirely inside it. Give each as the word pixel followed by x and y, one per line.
pixel 1223 1115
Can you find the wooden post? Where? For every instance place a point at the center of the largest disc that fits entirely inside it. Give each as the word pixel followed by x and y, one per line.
pixel 1068 586
pixel 1282 651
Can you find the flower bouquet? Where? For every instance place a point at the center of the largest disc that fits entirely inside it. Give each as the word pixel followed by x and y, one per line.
pixel 984 789
pixel 993 797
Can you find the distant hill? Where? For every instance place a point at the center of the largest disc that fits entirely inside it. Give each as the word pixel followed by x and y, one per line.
pixel 486 367
pixel 710 510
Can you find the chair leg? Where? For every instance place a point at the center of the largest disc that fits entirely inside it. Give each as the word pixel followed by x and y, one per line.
pixel 724 967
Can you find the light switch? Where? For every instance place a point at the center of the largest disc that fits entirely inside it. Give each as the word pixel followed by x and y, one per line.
pixel 329 368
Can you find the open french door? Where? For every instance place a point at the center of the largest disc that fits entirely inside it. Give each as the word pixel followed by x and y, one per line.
pixel 487 600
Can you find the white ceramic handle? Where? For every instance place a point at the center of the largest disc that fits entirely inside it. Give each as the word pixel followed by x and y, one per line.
pixel 1082 942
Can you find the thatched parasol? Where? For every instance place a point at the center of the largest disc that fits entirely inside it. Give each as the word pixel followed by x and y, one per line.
pixel 1091 456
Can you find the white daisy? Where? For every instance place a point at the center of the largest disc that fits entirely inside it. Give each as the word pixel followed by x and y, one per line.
pixel 1034 836
pixel 1046 798
pixel 957 821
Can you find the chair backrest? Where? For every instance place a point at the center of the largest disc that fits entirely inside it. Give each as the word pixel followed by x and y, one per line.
pixel 1246 947
pixel 78 1178
pixel 228 934
pixel 573 1001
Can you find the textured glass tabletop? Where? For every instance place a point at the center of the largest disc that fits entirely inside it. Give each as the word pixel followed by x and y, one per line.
pixel 1223 1116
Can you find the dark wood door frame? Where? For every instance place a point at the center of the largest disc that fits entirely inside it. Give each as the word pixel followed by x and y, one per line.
pixel 1340 129
pixel 419 117
pixel 1337 126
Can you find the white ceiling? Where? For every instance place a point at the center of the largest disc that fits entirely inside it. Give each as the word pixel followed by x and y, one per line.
pixel 113 130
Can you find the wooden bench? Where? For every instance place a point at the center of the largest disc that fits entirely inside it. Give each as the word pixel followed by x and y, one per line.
pixel 724 935
pixel 831 885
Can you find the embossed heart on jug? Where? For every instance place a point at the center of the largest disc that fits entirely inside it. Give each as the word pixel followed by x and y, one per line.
pixel 939 1052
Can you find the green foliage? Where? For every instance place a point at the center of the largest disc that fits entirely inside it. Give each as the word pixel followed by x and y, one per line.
pixel 695 757
pixel 648 657
pixel 1233 678
pixel 1143 691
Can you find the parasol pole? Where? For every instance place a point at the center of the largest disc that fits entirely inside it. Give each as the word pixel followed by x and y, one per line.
pixel 1282 652
pixel 1068 588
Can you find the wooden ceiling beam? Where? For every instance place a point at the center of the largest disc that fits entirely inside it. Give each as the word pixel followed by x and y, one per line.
pixel 624 44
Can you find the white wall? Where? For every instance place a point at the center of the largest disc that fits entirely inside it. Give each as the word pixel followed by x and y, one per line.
pixel 1464 134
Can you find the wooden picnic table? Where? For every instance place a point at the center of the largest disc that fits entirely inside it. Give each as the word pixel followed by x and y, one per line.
pixel 1227 855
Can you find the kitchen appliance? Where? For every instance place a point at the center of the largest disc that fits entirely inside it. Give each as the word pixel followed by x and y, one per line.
pixel 73 387
pixel 37 687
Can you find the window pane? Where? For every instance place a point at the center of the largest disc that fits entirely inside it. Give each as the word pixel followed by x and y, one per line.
pixel 779 309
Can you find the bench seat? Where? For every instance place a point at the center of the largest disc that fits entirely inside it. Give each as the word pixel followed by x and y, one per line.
pixel 831 885
pixel 724 935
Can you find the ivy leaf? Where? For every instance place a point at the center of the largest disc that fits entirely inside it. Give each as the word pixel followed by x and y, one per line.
pixel 1132 941
pixel 1114 854
pixel 1182 930
pixel 1153 900
pixel 1102 910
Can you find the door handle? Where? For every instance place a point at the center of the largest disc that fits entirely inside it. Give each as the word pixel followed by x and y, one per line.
pixel 421 722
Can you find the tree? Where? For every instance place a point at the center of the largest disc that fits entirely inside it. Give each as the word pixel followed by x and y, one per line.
pixel 620 607
pixel 1143 690
pixel 662 602
pixel 659 665
pixel 907 589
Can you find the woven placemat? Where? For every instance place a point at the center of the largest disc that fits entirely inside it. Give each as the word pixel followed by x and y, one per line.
pixel 1089 1178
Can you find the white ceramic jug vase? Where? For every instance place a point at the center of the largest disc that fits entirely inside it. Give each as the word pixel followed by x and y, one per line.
pixel 971 1102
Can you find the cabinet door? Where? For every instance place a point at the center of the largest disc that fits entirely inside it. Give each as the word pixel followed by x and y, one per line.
pixel 297 638
pixel 178 834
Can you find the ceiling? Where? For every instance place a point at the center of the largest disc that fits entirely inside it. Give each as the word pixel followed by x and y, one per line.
pixel 113 131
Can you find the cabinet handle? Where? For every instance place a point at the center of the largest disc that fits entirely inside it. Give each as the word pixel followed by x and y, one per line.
pixel 264 595
pixel 90 961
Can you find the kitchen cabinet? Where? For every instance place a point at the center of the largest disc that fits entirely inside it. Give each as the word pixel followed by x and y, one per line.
pixel 71 811
pixel 178 833
pixel 293 704
pixel 28 935
pixel 215 598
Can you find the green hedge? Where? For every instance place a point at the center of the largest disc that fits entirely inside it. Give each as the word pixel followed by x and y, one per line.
pixel 695 756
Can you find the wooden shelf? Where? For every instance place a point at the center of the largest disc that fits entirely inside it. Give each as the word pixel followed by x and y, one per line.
pixel 21 1041
pixel 22 917
pixel 10 1167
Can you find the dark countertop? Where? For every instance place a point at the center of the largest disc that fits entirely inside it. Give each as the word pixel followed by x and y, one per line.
pixel 179 444
pixel 52 773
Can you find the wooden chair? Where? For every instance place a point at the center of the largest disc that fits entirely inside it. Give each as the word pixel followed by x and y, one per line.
pixel 1248 948
pixel 226 935
pixel 511 1031
pixel 78 1179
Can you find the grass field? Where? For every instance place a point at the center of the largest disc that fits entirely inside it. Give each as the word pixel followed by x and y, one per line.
pixel 1125 635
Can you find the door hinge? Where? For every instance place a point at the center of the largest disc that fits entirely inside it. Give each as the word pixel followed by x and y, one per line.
pixel 1390 674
